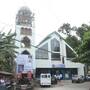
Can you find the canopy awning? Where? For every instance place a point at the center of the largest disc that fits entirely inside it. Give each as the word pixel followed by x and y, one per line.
pixel 5 73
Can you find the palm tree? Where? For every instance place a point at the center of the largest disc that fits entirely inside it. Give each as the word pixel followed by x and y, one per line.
pixel 7 51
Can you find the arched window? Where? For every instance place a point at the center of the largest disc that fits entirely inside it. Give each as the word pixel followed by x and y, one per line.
pixel 55 48
pixel 26 52
pixel 26 41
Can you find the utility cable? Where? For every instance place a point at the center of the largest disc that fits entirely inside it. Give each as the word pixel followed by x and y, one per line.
pixel 40 48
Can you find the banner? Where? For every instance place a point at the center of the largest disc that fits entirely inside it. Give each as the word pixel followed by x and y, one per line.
pixel 24 63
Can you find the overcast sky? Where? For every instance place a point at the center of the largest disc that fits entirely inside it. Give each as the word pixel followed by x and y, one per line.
pixel 49 14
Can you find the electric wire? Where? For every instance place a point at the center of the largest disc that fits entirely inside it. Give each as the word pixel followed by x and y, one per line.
pixel 43 49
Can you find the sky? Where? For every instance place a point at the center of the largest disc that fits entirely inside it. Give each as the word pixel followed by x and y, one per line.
pixel 49 14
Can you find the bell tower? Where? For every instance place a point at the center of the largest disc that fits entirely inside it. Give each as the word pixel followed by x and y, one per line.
pixel 25 38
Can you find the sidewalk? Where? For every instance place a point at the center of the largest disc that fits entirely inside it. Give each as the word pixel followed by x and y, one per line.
pixel 64 82
pixel 60 83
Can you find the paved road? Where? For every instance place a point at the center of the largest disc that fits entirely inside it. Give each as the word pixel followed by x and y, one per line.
pixel 67 86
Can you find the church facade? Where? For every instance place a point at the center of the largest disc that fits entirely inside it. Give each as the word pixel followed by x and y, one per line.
pixel 50 56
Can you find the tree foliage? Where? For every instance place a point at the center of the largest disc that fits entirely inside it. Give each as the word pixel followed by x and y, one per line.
pixel 7 51
pixel 82 45
pixel 73 41
pixel 82 29
pixel 84 49
pixel 65 28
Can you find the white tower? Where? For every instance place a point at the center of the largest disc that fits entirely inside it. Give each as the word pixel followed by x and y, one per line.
pixel 25 36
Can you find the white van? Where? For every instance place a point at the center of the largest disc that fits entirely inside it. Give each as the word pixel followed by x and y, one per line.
pixel 45 79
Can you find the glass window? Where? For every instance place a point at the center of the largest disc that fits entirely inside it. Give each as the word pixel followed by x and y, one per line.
pixel 42 52
pixel 44 76
pixel 48 76
pixel 20 68
pixel 69 52
pixel 55 48
pixel 55 45
pixel 26 52
pixel 55 56
pixel 26 42
pixel 26 31
pixel 63 60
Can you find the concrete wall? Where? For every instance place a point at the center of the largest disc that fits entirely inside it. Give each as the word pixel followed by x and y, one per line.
pixel 48 62
pixel 79 66
pixel 40 63
pixel 18 43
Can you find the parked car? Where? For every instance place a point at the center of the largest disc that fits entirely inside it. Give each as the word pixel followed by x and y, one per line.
pixel 45 79
pixel 88 77
pixel 78 79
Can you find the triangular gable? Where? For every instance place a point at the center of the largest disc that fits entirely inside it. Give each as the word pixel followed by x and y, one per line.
pixel 49 36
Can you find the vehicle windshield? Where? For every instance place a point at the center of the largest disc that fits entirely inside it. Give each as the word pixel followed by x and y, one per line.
pixel 44 76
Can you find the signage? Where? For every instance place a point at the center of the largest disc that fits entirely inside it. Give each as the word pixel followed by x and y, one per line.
pixel 58 65
pixel 22 59
pixel 28 67
pixel 24 63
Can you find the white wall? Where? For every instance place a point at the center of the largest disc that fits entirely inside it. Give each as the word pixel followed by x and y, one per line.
pixel 43 63
pixel 79 66
pixel 68 64
pixel 18 43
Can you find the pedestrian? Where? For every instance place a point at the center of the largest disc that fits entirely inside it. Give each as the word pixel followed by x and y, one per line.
pixel 2 81
pixel 61 76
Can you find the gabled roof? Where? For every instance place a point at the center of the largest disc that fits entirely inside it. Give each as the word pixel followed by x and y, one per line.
pixel 58 34
pixel 48 36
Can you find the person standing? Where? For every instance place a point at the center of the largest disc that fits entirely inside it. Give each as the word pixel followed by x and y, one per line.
pixel 61 76
pixel 2 81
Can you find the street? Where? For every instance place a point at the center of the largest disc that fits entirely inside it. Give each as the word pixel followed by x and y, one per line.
pixel 67 85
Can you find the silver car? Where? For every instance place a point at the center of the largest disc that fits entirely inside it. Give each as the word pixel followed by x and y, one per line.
pixel 77 79
pixel 88 77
